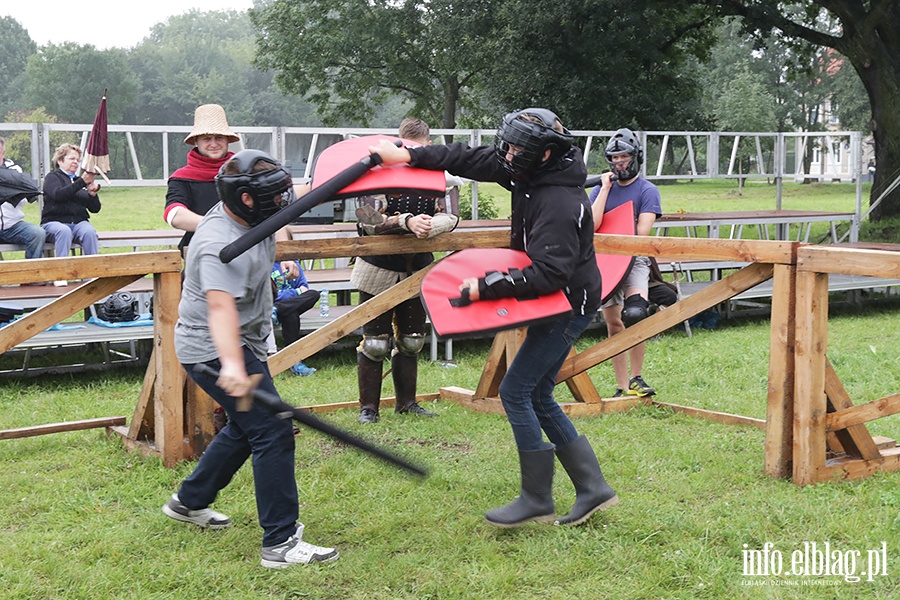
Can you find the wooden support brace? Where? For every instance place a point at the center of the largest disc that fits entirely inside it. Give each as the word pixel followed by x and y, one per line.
pixel 855 440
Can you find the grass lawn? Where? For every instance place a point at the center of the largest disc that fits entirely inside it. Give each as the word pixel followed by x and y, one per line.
pixel 80 515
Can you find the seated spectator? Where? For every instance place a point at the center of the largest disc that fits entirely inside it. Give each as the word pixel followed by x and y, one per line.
pixel 68 199
pixel 292 298
pixel 13 227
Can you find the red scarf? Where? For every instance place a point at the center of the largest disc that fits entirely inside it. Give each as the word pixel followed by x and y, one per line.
pixel 201 168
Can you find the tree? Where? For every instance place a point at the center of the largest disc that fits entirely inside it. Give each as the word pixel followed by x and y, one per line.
pixel 601 63
pixel 349 56
pixel 15 48
pixel 866 34
pixel 69 79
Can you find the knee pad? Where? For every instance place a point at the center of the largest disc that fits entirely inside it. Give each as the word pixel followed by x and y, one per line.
pixel 636 309
pixel 375 347
pixel 410 344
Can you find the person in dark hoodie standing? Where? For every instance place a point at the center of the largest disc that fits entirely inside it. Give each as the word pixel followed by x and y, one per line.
pixel 534 158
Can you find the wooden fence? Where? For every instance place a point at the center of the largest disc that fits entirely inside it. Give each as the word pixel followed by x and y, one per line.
pixel 814 432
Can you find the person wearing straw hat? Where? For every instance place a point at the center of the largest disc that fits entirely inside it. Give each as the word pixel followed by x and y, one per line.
pixel 191 189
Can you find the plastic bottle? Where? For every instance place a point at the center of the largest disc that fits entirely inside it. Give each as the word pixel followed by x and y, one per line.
pixel 323 303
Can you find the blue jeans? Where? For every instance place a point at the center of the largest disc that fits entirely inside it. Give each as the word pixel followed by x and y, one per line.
pixel 27 234
pixel 62 235
pixel 257 433
pixel 527 388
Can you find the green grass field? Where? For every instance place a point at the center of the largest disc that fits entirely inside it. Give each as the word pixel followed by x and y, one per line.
pixel 80 515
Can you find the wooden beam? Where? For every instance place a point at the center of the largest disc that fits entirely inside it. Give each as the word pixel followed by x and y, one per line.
pixel 856 415
pixel 682 310
pixel 679 249
pixel 142 421
pixel 468 399
pixel 780 395
pixel 581 386
pixel 495 367
pixel 856 440
pixel 376 245
pixel 854 468
pixel 36 270
pixel 849 261
pixel 60 309
pixel 714 416
pixel 598 409
pixel 347 323
pixel 809 378
pixel 23 432
pixel 168 396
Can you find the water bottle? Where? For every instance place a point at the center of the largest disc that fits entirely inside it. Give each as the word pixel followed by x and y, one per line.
pixel 323 303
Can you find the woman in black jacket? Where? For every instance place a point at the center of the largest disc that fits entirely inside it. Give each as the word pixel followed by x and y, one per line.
pixel 534 158
pixel 67 201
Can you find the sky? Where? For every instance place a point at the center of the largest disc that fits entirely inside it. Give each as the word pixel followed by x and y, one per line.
pixel 103 23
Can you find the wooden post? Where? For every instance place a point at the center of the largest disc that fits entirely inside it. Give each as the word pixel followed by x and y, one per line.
pixel 809 376
pixel 780 404
pixel 168 402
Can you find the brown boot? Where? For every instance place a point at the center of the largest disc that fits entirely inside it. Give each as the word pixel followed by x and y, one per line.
pixel 369 376
pixel 404 369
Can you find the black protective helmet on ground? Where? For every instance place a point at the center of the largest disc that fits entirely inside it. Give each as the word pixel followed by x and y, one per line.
pixel 266 184
pixel 118 308
pixel 624 141
pixel 534 130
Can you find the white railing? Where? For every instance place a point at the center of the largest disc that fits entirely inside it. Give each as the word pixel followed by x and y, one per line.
pixel 145 155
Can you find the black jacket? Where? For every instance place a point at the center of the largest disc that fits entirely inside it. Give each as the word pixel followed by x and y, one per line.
pixel 198 196
pixel 551 221
pixel 65 200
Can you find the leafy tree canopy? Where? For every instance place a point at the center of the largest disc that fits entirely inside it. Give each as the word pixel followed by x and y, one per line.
pixel 864 32
pixel 69 79
pixel 15 48
pixel 349 56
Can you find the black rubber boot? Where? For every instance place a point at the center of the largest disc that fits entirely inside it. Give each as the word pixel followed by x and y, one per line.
pixel 592 493
pixel 535 500
pixel 404 370
pixel 369 376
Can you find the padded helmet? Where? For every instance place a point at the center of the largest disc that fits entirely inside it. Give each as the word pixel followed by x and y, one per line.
pixel 118 308
pixel 530 129
pixel 267 188
pixel 625 141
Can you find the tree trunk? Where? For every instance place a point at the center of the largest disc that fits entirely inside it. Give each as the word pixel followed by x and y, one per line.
pixel 886 129
pixel 451 99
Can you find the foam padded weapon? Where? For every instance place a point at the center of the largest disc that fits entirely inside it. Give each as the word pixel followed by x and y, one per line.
pixel 285 411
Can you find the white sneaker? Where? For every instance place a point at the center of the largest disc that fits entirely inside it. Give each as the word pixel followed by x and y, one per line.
pixel 295 551
pixel 203 517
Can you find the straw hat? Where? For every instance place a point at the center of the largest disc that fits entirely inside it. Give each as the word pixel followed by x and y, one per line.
pixel 209 119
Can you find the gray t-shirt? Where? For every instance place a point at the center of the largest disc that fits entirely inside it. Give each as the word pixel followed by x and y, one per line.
pixel 246 278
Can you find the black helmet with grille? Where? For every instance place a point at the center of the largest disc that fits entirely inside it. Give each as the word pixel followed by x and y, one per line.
pixel 118 308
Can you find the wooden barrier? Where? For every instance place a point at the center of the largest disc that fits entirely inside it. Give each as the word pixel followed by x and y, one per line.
pixel 104 275
pixel 809 414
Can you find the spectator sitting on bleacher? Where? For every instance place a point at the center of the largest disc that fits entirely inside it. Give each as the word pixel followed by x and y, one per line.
pixel 13 227
pixel 292 298
pixel 191 189
pixel 68 198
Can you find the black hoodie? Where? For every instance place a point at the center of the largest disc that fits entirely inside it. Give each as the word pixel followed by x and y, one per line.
pixel 551 221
